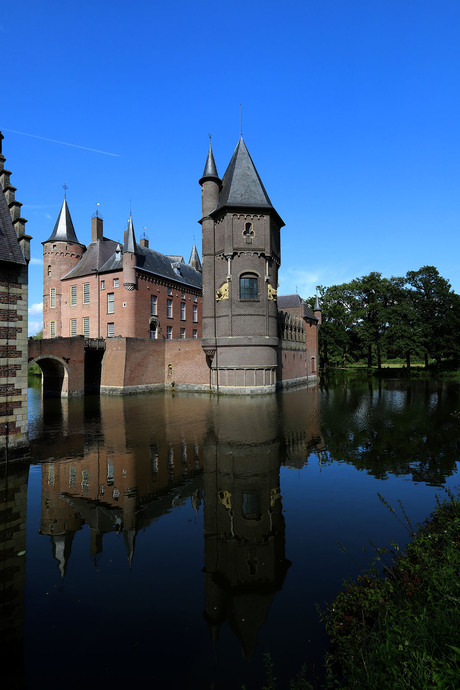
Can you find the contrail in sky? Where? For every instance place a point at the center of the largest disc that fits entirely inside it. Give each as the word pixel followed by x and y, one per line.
pixel 64 143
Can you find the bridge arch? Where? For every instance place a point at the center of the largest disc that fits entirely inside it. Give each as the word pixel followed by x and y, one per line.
pixel 55 375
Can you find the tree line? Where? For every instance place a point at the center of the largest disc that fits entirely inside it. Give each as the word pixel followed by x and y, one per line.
pixel 414 317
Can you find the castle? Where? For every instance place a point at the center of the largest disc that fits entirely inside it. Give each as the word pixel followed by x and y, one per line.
pixel 140 303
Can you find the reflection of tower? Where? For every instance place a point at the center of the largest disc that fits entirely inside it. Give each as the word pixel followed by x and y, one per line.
pixel 13 512
pixel 243 523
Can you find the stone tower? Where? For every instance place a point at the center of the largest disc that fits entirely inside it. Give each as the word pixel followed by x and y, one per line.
pixel 241 257
pixel 61 252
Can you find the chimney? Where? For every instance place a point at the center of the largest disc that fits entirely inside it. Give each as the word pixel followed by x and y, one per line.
pixel 96 228
pixel 144 242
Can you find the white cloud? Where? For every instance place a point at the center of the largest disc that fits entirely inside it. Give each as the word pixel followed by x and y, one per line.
pixel 36 262
pixel 34 327
pixel 298 280
pixel 48 217
pixel 36 309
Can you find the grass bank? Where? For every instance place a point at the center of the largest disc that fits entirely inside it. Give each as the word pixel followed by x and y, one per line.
pixel 399 631
pixel 402 630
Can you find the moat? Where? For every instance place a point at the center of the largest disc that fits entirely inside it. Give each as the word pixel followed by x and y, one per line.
pixel 173 539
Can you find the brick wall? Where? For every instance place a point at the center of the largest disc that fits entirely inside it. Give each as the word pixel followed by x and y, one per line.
pixel 13 357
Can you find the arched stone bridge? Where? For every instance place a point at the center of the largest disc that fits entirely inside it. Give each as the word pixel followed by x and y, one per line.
pixel 70 366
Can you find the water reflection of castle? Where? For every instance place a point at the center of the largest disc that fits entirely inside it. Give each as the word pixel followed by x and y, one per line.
pixel 131 469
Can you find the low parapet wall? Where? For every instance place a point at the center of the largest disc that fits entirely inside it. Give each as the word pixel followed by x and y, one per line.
pixel 136 365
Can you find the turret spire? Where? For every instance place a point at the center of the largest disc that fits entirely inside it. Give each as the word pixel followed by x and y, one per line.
pixel 64 230
pixel 130 239
pixel 210 170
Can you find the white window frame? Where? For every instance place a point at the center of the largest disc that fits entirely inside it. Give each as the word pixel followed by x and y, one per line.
pixel 52 298
pixel 153 305
pixel 169 308
pixel 195 313
pixel 182 333
pixel 110 303
pixel 169 333
pixel 73 296
pixel 182 311
pixel 110 330
pixel 73 328
pixel 86 326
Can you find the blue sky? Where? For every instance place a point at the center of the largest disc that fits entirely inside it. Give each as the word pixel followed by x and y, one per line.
pixel 350 113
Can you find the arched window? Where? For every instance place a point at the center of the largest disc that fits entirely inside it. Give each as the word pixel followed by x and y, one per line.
pixel 49 269
pixel 249 286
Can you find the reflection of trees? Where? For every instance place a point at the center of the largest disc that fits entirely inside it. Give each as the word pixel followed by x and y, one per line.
pixel 393 431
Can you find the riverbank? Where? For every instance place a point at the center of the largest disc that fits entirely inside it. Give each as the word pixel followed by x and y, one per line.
pixel 401 631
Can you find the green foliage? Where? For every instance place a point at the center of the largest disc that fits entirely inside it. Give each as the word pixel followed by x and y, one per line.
pixel 417 315
pixel 401 631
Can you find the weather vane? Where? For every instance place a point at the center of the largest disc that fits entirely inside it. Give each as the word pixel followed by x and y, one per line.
pixel 65 188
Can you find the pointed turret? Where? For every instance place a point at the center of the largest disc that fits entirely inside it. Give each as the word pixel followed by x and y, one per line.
pixel 241 184
pixel 129 258
pixel 130 238
pixel 210 183
pixel 194 261
pixel 64 230
pixel 317 310
pixel 210 169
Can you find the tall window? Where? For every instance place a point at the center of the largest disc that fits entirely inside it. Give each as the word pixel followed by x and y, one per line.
pixel 49 270
pixel 110 330
pixel 248 287
pixel 169 291
pixel 153 305
pixel 110 303
pixel 85 293
pixel 52 329
pixel 102 284
pixel 194 333
pixel 86 326
pixel 52 297
pixel 169 308
pixel 182 311
pixel 182 332
pixel 73 327
pixel 182 295
pixel 73 295
pixel 169 332
pixel 153 331
pixel 116 282
pixel 195 313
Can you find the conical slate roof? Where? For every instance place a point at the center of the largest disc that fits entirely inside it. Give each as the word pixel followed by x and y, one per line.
pixel 130 240
pixel 195 259
pixel 64 230
pixel 210 170
pixel 241 184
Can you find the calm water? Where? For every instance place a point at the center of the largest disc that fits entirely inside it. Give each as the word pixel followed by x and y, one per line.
pixel 171 540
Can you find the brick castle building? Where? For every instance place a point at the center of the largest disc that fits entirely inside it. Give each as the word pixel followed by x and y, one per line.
pixel 14 259
pixel 141 302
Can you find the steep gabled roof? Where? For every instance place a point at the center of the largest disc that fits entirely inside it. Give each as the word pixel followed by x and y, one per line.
pixel 96 255
pixel 241 184
pixel 64 230
pixel 9 245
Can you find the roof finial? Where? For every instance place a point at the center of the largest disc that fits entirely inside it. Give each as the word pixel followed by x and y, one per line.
pixel 97 209
pixel 209 135
pixel 65 188
pixel 241 120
